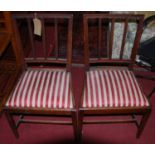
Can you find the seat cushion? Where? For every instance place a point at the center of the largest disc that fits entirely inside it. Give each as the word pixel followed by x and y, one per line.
pixel 42 89
pixel 112 88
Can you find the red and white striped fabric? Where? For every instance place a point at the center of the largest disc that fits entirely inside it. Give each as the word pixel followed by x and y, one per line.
pixel 42 89
pixel 112 88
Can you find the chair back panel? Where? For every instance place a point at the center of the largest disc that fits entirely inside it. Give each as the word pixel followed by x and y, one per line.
pixel 122 32
pixel 48 47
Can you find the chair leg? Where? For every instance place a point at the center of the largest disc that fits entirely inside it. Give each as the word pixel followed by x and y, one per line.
pixel 12 123
pixel 142 123
pixel 80 125
pixel 74 120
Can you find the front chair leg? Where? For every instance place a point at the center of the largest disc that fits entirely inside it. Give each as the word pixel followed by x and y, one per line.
pixel 142 123
pixel 80 125
pixel 74 121
pixel 12 123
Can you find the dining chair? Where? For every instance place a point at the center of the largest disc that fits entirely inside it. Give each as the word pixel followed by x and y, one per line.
pixel 110 88
pixel 45 86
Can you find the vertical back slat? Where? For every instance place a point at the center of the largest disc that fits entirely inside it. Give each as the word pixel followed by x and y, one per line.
pixel 99 37
pixel 111 37
pixel 56 37
pixel 17 45
pixel 69 43
pixel 31 37
pixel 86 45
pixel 124 38
pixel 44 39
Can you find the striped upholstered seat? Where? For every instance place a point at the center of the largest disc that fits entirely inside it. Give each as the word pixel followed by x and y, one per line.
pixel 42 89
pixel 112 88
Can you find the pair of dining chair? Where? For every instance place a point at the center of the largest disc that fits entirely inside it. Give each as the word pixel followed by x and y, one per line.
pixel 43 90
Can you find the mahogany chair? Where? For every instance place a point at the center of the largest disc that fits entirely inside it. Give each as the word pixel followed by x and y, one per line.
pixel 111 89
pixel 44 87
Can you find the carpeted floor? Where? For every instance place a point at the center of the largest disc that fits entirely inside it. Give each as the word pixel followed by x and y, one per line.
pixel 107 133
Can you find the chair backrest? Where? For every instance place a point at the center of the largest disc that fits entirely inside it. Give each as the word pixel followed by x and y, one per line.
pixel 122 32
pixel 54 45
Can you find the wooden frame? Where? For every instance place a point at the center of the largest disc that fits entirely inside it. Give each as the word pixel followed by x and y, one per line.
pixel 113 17
pixel 72 113
pixel 10 70
pixel 144 112
pixel 45 59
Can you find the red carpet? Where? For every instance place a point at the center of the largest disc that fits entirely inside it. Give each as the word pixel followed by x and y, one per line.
pixel 106 133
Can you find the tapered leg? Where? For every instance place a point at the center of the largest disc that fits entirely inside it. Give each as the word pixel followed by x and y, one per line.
pixel 142 123
pixel 12 123
pixel 74 120
pixel 80 125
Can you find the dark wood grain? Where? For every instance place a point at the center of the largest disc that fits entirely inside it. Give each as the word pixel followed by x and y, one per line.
pixel 44 39
pixel 31 37
pixel 99 37
pixel 56 37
